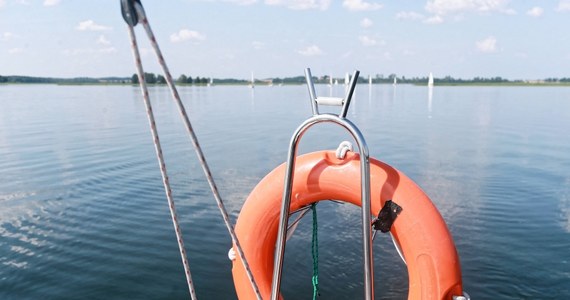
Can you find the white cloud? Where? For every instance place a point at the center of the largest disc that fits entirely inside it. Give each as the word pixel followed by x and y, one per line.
pixel 409 15
pixel 186 35
pixel 446 7
pixel 257 45
pixel 15 51
pixel 488 45
pixel 563 5
pixel 367 41
pixel 90 25
pixel 6 36
pixel 107 50
pixel 242 2
pixel 301 4
pixel 360 5
pixel 51 2
pixel 365 23
pixel 84 51
pixel 313 50
pixel 434 20
pixel 535 12
pixel 510 11
pixel 102 40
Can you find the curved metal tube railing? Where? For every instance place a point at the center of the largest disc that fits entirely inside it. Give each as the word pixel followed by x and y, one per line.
pixel 365 183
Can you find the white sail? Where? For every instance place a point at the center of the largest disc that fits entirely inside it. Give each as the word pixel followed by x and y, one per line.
pixel 395 81
pixel 346 79
pixel 252 84
pixel 430 80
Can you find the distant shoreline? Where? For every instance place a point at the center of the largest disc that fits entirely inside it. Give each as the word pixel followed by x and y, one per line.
pixel 505 84
pixel 462 84
pixel 183 80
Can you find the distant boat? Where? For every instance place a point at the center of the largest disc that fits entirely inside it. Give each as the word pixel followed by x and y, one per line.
pixel 370 80
pixel 430 80
pixel 346 79
pixel 330 81
pixel 395 81
pixel 211 81
pixel 252 84
pixel 336 82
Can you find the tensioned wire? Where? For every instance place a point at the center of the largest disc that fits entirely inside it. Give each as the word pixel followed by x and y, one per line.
pixel 143 19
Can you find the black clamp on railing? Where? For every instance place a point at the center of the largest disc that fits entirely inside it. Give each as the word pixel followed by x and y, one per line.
pixel 387 216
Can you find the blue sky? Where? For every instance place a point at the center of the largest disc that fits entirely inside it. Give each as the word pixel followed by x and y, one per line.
pixel 526 39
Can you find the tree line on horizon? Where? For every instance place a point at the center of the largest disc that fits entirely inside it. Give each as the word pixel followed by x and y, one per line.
pixel 152 78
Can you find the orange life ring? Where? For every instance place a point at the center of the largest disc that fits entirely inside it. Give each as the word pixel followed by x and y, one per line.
pixel 432 261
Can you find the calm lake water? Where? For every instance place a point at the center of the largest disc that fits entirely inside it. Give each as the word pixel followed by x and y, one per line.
pixel 83 213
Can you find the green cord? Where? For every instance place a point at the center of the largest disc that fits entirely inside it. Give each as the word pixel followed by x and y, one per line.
pixel 315 253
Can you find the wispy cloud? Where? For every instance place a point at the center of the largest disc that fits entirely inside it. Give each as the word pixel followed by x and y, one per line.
pixel 186 35
pixel 301 4
pixel 434 20
pixel 488 45
pixel 313 50
pixel 107 50
pixel 409 15
pixel 366 23
pixel 257 45
pixel 6 36
pixel 563 5
pixel 535 12
pixel 85 51
pixel 367 41
pixel 15 51
pixel 446 7
pixel 242 2
pixel 360 5
pixel 102 40
pixel 51 2
pixel 90 25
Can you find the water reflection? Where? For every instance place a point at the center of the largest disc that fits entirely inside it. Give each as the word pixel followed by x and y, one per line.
pixel 394 87
pixel 369 94
pixel 252 96
pixel 565 205
pixel 430 99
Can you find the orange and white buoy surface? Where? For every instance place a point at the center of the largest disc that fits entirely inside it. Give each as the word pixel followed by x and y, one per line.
pixel 427 246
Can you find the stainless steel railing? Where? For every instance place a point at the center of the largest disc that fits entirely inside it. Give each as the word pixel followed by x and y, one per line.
pixel 341 120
